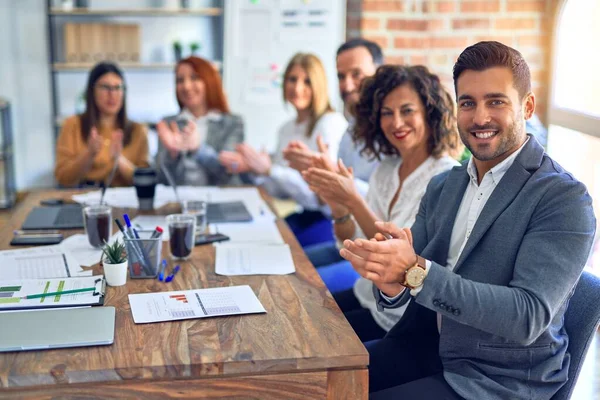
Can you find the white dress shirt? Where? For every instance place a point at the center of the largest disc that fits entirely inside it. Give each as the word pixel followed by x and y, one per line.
pixel 383 185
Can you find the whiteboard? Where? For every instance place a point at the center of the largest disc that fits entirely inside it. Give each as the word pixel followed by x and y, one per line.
pixel 261 36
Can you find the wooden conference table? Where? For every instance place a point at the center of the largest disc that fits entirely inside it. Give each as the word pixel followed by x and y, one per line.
pixel 302 348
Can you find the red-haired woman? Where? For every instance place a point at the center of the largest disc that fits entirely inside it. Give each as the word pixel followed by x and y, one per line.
pixel 191 141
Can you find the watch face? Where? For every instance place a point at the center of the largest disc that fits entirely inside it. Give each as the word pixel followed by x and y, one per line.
pixel 415 276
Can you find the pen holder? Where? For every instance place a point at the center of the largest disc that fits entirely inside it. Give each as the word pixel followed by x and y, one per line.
pixel 144 255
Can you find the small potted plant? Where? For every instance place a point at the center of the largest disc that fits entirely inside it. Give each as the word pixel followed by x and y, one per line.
pixel 114 261
pixel 194 47
pixel 178 49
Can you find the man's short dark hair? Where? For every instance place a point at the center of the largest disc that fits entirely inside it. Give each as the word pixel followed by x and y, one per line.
pixel 484 55
pixel 372 47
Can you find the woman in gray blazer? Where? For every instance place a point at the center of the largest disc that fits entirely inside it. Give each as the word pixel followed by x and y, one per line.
pixel 190 142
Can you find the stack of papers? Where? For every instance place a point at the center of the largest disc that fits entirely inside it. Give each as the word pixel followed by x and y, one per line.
pixel 251 259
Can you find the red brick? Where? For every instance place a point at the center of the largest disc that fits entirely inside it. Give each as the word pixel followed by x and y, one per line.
pixel 480 6
pixel 397 60
pixel 418 59
pixel 379 5
pixel 533 41
pixel 380 40
pixel 524 5
pixel 507 40
pixel 448 42
pixel 472 23
pixel 407 25
pixel 436 25
pixel 370 24
pixel 446 6
pixel 410 43
pixel 515 23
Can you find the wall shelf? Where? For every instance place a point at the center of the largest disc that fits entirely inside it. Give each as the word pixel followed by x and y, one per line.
pixel 57 67
pixel 141 12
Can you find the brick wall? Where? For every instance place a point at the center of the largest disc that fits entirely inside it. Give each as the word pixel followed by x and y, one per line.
pixel 434 32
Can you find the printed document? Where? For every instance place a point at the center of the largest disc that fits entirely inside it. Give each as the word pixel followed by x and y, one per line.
pixel 190 304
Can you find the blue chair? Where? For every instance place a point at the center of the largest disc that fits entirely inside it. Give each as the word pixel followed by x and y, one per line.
pixel 581 322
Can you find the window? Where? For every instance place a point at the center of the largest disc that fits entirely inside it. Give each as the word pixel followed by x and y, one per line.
pixel 574 112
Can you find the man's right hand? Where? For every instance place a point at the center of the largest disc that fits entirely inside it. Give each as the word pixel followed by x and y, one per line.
pixel 383 262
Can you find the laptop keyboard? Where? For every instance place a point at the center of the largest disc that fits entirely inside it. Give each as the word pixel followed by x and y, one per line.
pixel 69 216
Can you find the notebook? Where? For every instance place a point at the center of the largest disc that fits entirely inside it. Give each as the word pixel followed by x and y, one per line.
pixel 58 328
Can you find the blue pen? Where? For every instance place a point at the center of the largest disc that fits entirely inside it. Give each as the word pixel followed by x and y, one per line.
pixel 161 276
pixel 131 228
pixel 175 271
pixel 137 248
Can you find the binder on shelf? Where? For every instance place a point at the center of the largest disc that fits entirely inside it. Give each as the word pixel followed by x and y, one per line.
pixel 71 38
pixel 85 54
pixel 96 43
pixel 52 293
pixel 111 38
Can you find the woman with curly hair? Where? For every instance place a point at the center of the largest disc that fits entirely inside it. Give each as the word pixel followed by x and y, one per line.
pixel 407 120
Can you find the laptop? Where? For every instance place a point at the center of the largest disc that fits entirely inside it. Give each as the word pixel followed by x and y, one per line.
pixel 68 216
pixel 234 211
pixel 57 328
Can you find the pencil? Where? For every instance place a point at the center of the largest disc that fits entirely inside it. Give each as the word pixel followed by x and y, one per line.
pixel 36 296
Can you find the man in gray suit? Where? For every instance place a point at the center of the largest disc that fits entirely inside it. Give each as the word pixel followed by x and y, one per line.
pixel 492 259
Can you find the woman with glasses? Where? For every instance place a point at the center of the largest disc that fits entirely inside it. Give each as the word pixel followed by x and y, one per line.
pixel 190 142
pixel 91 144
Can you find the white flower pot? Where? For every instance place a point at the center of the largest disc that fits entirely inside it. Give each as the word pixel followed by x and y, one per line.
pixel 115 274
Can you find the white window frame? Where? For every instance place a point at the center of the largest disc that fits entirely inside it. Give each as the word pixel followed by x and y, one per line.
pixel 561 116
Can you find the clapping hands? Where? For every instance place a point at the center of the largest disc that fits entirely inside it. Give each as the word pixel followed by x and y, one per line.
pixel 383 259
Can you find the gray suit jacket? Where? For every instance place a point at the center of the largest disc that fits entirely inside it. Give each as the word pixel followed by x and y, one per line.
pixel 203 167
pixel 502 307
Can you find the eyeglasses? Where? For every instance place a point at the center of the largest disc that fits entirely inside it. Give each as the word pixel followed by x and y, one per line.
pixel 109 88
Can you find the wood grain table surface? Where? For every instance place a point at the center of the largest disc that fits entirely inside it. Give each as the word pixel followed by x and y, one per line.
pixel 302 348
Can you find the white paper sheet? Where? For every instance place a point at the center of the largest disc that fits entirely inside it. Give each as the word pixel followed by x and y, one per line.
pixel 79 246
pixel 250 259
pixel 263 232
pixel 189 304
pixel 39 262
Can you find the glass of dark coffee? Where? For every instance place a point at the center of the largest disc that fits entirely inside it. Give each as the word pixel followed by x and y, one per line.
pixel 97 220
pixel 182 229
pixel 144 181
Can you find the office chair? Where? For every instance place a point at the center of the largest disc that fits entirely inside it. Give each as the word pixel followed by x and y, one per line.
pixel 581 322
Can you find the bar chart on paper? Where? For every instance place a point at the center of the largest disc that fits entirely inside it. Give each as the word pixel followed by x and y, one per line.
pixel 177 307
pixel 200 303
